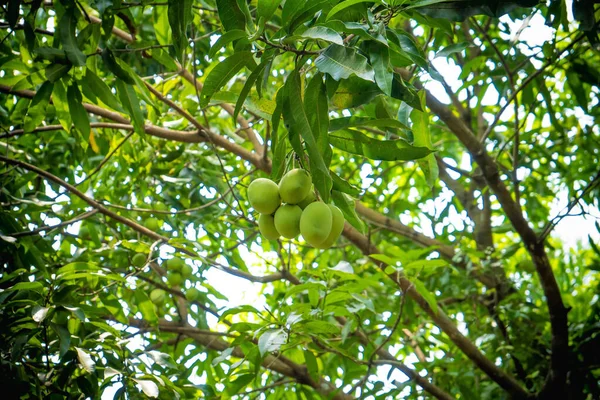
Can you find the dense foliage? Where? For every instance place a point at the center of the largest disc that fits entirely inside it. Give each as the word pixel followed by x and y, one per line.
pixel 451 134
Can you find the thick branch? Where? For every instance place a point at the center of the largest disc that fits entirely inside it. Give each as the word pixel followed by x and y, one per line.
pixel 72 189
pixel 558 313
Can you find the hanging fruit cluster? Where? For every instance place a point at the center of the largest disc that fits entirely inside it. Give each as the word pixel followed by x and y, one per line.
pixel 320 224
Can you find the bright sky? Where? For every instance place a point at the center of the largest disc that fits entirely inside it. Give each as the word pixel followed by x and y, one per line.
pixel 571 230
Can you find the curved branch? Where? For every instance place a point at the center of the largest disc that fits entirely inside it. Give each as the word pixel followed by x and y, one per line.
pixel 137 227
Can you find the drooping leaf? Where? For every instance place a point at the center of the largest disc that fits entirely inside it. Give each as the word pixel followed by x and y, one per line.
pixel 358 122
pixel 341 62
pixel 131 103
pixel 101 90
pixel 149 388
pixel 356 142
pixel 37 108
pixel 225 39
pixel 56 71
pixel 451 49
pixel 422 137
pixel 427 295
pixel 348 207
pixel 179 13
pixel 85 360
pixel 80 117
pixel 342 185
pixel 223 72
pixel 66 28
pixel 299 124
pixel 111 63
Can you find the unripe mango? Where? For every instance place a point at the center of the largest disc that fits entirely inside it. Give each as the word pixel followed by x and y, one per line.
pixel 138 260
pixel 157 296
pixel 152 223
pixel 287 220
pixel 175 264
pixel 186 271
pixel 316 223
pixel 174 278
pixel 310 198
pixel 295 186
pixel 192 294
pixel 263 195
pixel 266 225
pixel 337 226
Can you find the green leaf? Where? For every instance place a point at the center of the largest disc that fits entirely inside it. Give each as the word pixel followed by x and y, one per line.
pixel 425 265
pixel 341 62
pixel 225 39
pixel 358 122
pixel 145 306
pixel 179 13
pixel 299 124
pixel 164 58
pixel 111 63
pixel 230 15
pixel 427 295
pixel 78 112
pixel 130 102
pixel 223 72
pixel 315 99
pixel 385 259
pixel 33 286
pixel 358 143
pixel 311 364
pixel 37 108
pixel 380 60
pixel 322 33
pixel 237 310
pixel 453 48
pixel 342 185
pixel 66 27
pixel 101 90
pixel 345 4
pixel 248 86
pixel 12 14
pixel 422 137
pixel 271 340
pixel 401 91
pixel 56 71
pixel 319 327
pixel 59 99
pixel 354 92
pixel 347 205
pixel 266 8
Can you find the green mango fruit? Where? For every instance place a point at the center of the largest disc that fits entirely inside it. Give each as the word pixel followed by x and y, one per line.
pixel 138 260
pixel 175 264
pixel 174 278
pixel 192 294
pixel 287 220
pixel 266 225
pixel 295 186
pixel 186 271
pixel 337 226
pixel 263 195
pixel 315 223
pixel 152 223
pixel 157 296
pixel 310 198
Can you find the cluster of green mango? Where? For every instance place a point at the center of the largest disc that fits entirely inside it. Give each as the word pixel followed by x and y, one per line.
pixel 177 272
pixel 320 224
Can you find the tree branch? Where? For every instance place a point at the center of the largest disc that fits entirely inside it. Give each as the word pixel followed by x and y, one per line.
pixel 558 314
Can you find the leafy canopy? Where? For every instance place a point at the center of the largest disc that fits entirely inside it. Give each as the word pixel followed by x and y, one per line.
pixel 449 134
